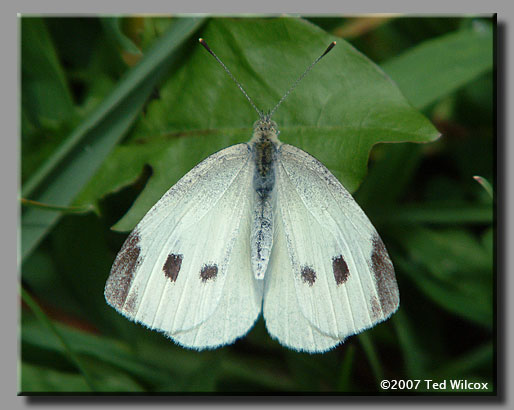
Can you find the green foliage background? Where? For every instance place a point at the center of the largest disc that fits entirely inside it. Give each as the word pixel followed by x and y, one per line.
pixel 108 137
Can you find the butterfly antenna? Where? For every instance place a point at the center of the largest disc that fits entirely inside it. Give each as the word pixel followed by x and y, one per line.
pixel 330 47
pixel 204 43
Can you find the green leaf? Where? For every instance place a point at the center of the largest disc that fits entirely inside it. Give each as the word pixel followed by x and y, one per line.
pixel 65 173
pixel 447 253
pixel 442 65
pixel 426 73
pixel 205 377
pixel 344 107
pixel 485 184
pixel 47 107
pixel 37 379
pixel 82 270
pixel 257 373
pixel 440 212
pixel 88 346
pixel 113 26
pixel 371 354
pixel 310 372
pixel 388 177
pixel 64 209
pixel 121 169
pixel 60 340
pixel 415 358
pixel 45 94
pixel 472 303
pixel 451 268
pixel 464 364
pixel 41 277
pixel 345 377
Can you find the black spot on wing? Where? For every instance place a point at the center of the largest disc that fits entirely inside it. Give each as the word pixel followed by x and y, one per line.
pixel 122 271
pixel 340 269
pixel 172 266
pixel 308 275
pixel 385 280
pixel 208 272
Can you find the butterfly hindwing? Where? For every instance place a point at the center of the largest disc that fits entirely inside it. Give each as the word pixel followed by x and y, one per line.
pixel 171 272
pixel 239 305
pixel 344 279
pixel 282 312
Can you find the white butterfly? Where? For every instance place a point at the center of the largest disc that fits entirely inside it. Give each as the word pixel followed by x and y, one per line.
pixel 256 226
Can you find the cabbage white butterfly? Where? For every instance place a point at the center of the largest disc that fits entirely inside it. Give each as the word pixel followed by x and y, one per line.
pixel 261 226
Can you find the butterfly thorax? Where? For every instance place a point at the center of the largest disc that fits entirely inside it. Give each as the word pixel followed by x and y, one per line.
pixel 264 144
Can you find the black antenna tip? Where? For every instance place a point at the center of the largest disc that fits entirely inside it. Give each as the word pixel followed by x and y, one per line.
pixel 330 47
pixel 204 43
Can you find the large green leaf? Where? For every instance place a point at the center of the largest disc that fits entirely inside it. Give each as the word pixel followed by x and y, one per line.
pixel 344 107
pixel 440 66
pixel 65 173
pixel 426 73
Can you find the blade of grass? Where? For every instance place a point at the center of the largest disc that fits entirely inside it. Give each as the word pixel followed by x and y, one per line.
pixel 464 364
pixel 434 213
pixel 344 383
pixel 89 379
pixel 66 209
pixel 371 354
pixel 113 25
pixel 449 297
pixel 42 75
pixel 65 173
pixel 42 380
pixel 161 53
pixel 246 370
pixel 91 346
pixel 485 184
pixel 414 357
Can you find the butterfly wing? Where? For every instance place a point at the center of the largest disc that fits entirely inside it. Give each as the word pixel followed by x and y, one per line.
pixel 284 319
pixel 239 305
pixel 172 271
pixel 343 278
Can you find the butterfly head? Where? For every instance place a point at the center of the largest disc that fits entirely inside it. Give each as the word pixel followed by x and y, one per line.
pixel 265 128
pixel 265 124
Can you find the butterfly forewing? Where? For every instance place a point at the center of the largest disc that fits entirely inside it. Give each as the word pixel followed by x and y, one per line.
pixel 170 273
pixel 344 279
